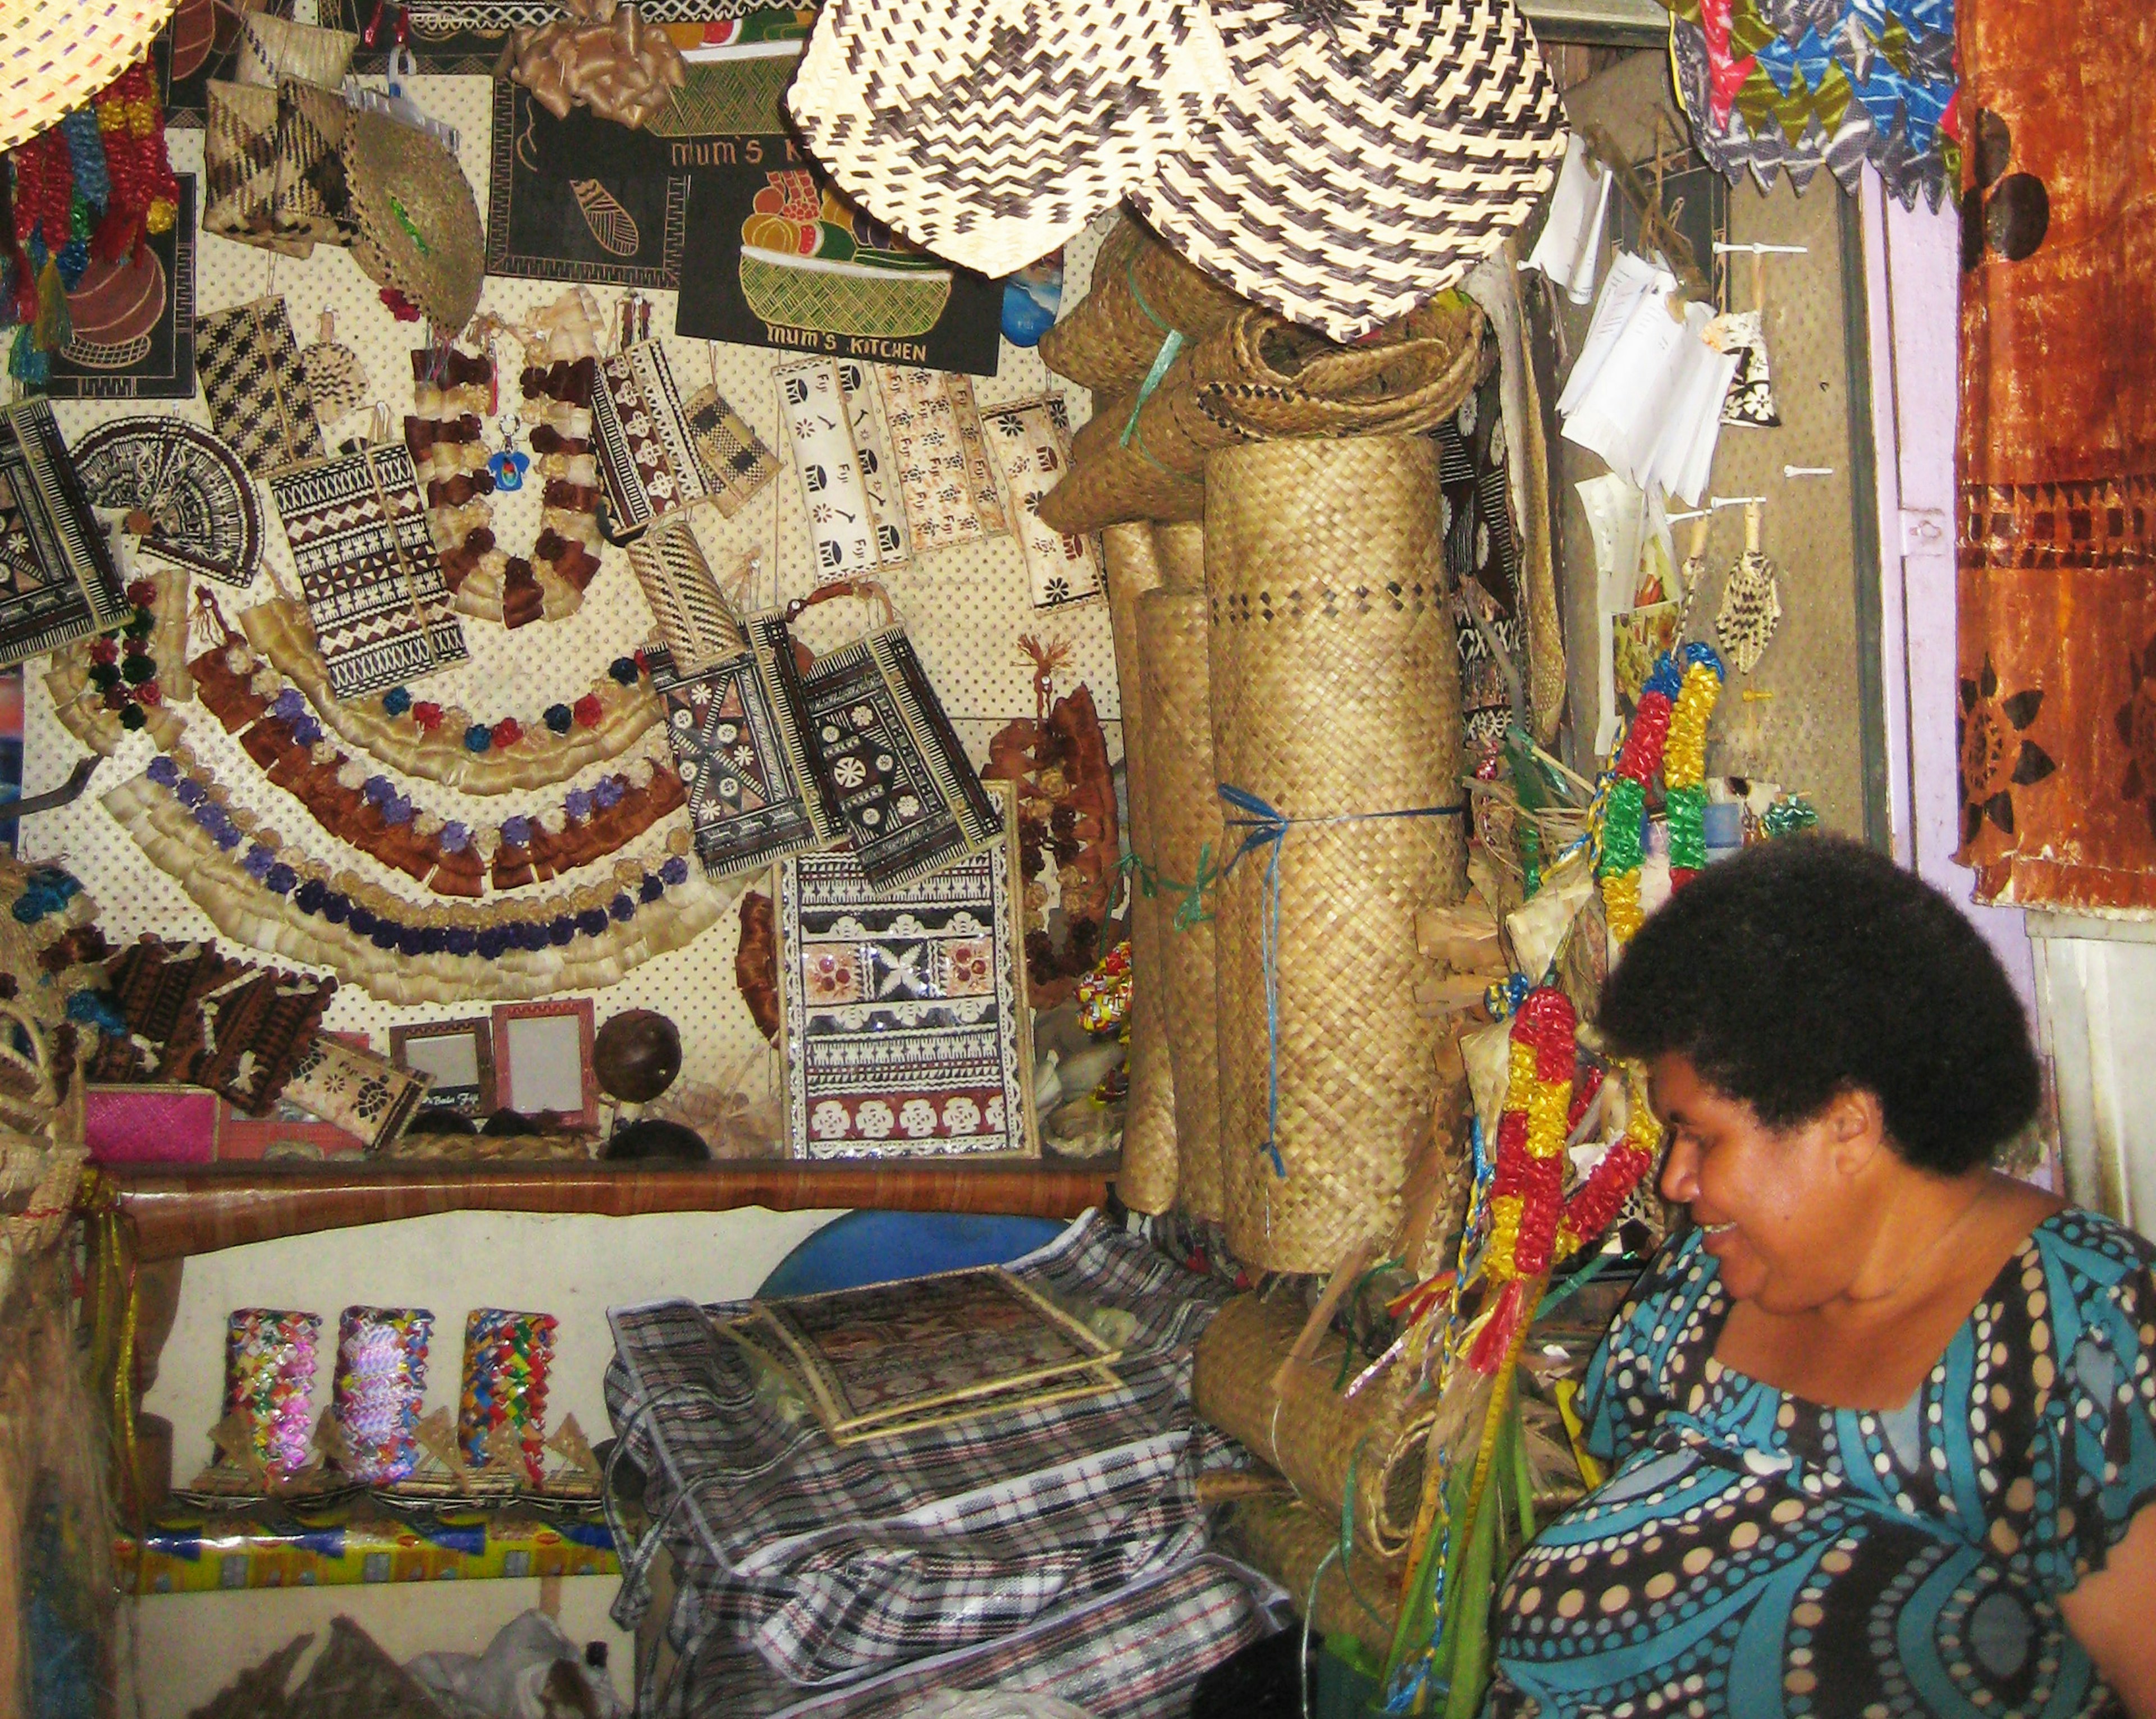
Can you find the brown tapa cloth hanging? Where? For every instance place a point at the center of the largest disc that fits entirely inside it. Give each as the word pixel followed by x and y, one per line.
pixel 2056 702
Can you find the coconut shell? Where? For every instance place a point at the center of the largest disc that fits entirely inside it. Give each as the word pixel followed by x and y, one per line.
pixel 636 1056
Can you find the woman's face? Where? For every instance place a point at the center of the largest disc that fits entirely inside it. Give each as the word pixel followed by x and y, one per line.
pixel 1773 1203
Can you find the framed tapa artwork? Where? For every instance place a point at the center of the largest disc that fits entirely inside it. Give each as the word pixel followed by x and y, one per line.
pixel 459 1057
pixel 134 321
pixel 906 1030
pixel 542 1060
pixel 581 198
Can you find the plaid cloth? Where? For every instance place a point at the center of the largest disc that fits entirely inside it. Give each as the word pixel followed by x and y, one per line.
pixel 829 1562
pixel 1136 1654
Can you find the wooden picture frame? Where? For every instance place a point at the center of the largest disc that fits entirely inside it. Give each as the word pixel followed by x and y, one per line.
pixel 531 1044
pixel 464 1080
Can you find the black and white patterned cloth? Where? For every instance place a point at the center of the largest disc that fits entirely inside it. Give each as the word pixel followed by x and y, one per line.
pixel 806 1568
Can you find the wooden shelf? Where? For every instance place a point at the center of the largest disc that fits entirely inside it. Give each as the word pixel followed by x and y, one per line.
pixel 200 1211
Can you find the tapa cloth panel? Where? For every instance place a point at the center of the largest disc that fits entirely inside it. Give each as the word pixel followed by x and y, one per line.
pixel 1031 445
pixel 896 779
pixel 58 583
pixel 904 1011
pixel 1137 1652
pixel 368 570
pixel 843 523
pixel 817 1556
pixel 752 798
pixel 879 477
pixel 940 460
pixel 650 446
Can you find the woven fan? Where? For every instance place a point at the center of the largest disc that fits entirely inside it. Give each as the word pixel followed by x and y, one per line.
pixel 1366 155
pixel 989 131
pixel 1751 602
pixel 335 375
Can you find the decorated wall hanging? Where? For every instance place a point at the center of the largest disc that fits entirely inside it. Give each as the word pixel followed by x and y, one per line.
pixel 334 376
pixel 649 448
pixel 445 743
pixel 269 1375
pixel 131 320
pixel 878 470
pixel 753 797
pixel 196 507
pixel 453 393
pixel 272 896
pixel 1855 81
pixel 850 537
pixel 508 1358
pixel 906 1025
pixel 380 1385
pixel 601 58
pixel 940 459
pixel 1751 601
pixel 893 774
pixel 366 809
pixel 256 388
pixel 367 568
pixel 58 580
pixel 104 689
pixel 696 626
pixel 156 988
pixel 245 1035
pixel 1030 441
pixel 351 1088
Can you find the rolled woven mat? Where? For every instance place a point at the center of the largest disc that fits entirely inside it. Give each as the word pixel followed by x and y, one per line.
pixel 1314 1434
pixel 1336 704
pixel 1185 811
pixel 1141 290
pixel 1259 377
pixel 1182 549
pixel 1147 1180
pixel 1108 482
pixel 1288 1541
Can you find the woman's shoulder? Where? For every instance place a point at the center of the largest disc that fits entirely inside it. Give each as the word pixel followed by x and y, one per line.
pixel 1655 1308
pixel 2092 1253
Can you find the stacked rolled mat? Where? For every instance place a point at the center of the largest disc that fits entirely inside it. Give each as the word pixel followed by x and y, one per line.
pixel 1336 707
pixel 1148 1181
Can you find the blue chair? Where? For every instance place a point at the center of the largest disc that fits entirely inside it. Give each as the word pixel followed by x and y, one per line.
pixel 876 1247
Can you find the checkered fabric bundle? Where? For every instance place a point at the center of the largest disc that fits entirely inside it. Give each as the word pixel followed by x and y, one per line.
pixel 806 1568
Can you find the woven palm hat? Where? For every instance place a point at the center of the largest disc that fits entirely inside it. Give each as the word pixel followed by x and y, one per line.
pixel 1367 155
pixel 416 225
pixel 54 58
pixel 989 131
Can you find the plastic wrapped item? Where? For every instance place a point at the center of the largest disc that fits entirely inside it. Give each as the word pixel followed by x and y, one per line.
pixel 530 1671
pixel 269 1375
pixel 380 1377
pixel 507 1357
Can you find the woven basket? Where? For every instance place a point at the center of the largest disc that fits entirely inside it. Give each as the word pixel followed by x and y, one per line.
pixel 1259 378
pixel 42 1153
pixel 239 169
pixel 1141 290
pixel 1314 1435
pixel 1335 686
pixel 1147 1180
pixel 1288 1541
pixel 1186 835
pixel 842 298
pixel 272 49
pixel 1182 549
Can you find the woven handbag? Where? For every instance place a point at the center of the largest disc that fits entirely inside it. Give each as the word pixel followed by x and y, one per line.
pixel 272 49
pixel 239 169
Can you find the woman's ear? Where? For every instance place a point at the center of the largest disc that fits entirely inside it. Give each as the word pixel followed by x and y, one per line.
pixel 1856 1128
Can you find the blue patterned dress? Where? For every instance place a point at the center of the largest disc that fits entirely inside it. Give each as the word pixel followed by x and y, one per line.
pixel 1756 1554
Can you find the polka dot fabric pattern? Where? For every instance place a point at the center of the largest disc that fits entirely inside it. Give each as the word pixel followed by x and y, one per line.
pixel 964 609
pixel 1756 1553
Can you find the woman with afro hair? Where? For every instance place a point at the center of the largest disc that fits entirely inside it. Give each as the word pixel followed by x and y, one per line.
pixel 1880 1422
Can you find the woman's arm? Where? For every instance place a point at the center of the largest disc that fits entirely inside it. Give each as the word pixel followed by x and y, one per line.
pixel 2109 1612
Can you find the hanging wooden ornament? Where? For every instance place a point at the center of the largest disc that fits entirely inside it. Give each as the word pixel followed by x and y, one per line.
pixel 1751 601
pixel 334 376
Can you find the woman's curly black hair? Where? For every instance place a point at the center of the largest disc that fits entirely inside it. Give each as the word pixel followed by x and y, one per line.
pixel 1812 966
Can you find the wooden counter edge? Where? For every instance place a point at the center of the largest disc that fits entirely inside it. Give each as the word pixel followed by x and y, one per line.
pixel 199 1211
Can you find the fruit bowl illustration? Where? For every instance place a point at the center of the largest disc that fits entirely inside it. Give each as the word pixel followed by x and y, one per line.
pixel 810 259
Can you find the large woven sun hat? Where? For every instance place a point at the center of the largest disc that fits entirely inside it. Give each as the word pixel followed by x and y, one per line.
pixel 989 131
pixel 1368 154
pixel 416 223
pixel 54 58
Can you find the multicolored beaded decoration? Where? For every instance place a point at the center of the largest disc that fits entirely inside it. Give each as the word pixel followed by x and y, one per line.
pixel 1668 734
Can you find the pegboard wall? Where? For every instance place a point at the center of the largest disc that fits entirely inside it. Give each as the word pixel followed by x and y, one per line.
pixel 1801 717
pixel 965 608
